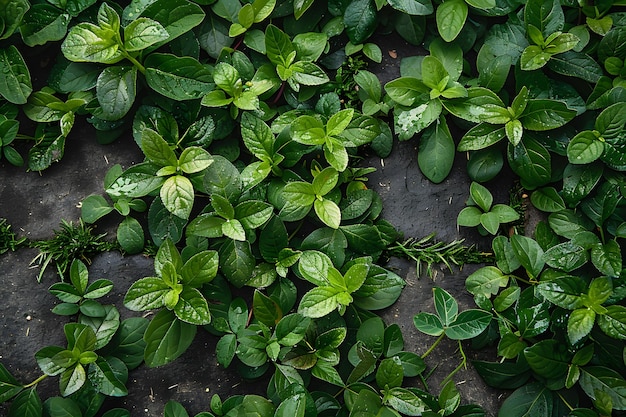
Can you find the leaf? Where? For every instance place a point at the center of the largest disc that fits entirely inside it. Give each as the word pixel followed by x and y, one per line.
pixel 389 373
pixel 166 338
pixel 291 329
pixel 565 292
pixel 584 148
pixel 43 23
pixel 15 82
pixel 146 294
pixel 445 305
pixel 541 115
pixel 412 7
pixel 481 136
pixel 529 254
pixel 103 377
pixel 532 399
pixel 579 324
pixel 177 195
pixel 179 78
pixel 278 46
pixel 12 14
pixel 576 64
pixel 428 323
pixel 607 258
pixel 486 281
pixel 130 236
pixel 319 302
pixel 192 307
pixel 531 161
pixel 451 16
pixel 9 386
pixel 26 404
pixel 142 33
pixel 595 379
pixel 176 16
pixel 613 322
pixel 236 262
pixel 547 199
pixel 360 20
pixel 410 122
pixel 328 212
pixel 87 42
pixel 404 401
pixel 468 324
pixel 547 16
pixel 436 152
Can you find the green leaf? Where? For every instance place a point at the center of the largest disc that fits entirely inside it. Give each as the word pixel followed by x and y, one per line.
pixel 481 196
pixel 179 78
pixel 103 377
pixel 469 216
pixel 445 305
pixel 595 379
pixel 328 212
pixel 566 256
pixel 87 42
pixel 531 161
pixel 565 292
pixel 428 323
pixel 412 7
pixel 481 136
pixel 192 307
pixel 12 14
pixel 547 199
pixel 130 236
pixel 468 324
pixel 26 404
pixel 529 254
pixel 142 33
pixel 146 294
pixel 404 401
pixel 541 115
pixel 547 16
pixel 435 156
pixel 580 323
pixel 236 262
pixel 43 23
pixel 486 281
pixel 176 16
pixel 9 386
pixel 410 122
pixel 166 338
pixel 278 45
pixel 15 81
pixel 177 195
pixel 360 20
pixel 319 302
pixel 389 373
pixel 576 64
pixel 532 399
pixel 584 148
pixel 613 322
pixel 451 16
pixel 291 329
pixel 607 258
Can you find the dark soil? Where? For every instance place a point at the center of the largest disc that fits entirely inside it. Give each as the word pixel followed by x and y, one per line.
pixel 34 204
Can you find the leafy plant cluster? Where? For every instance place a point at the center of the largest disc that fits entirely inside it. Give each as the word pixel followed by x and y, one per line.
pixel 250 182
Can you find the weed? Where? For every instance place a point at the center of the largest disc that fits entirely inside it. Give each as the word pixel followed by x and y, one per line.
pixel 72 241
pixel 8 239
pixel 428 252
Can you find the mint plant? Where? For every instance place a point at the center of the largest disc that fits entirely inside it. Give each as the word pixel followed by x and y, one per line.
pixel 251 185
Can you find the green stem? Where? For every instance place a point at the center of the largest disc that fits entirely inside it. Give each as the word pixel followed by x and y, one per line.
pixel 36 381
pixel 458 368
pixel 136 63
pixel 565 402
pixel 430 349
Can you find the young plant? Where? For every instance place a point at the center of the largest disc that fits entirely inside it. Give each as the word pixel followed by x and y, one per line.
pixel 482 213
pixel 130 234
pixel 341 131
pixel 8 239
pixel 447 321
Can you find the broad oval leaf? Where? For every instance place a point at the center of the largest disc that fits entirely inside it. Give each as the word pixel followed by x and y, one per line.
pixel 167 338
pixel 468 324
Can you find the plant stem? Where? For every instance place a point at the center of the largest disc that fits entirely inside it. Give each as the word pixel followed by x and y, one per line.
pixel 136 63
pixel 430 349
pixel 36 381
pixel 458 368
